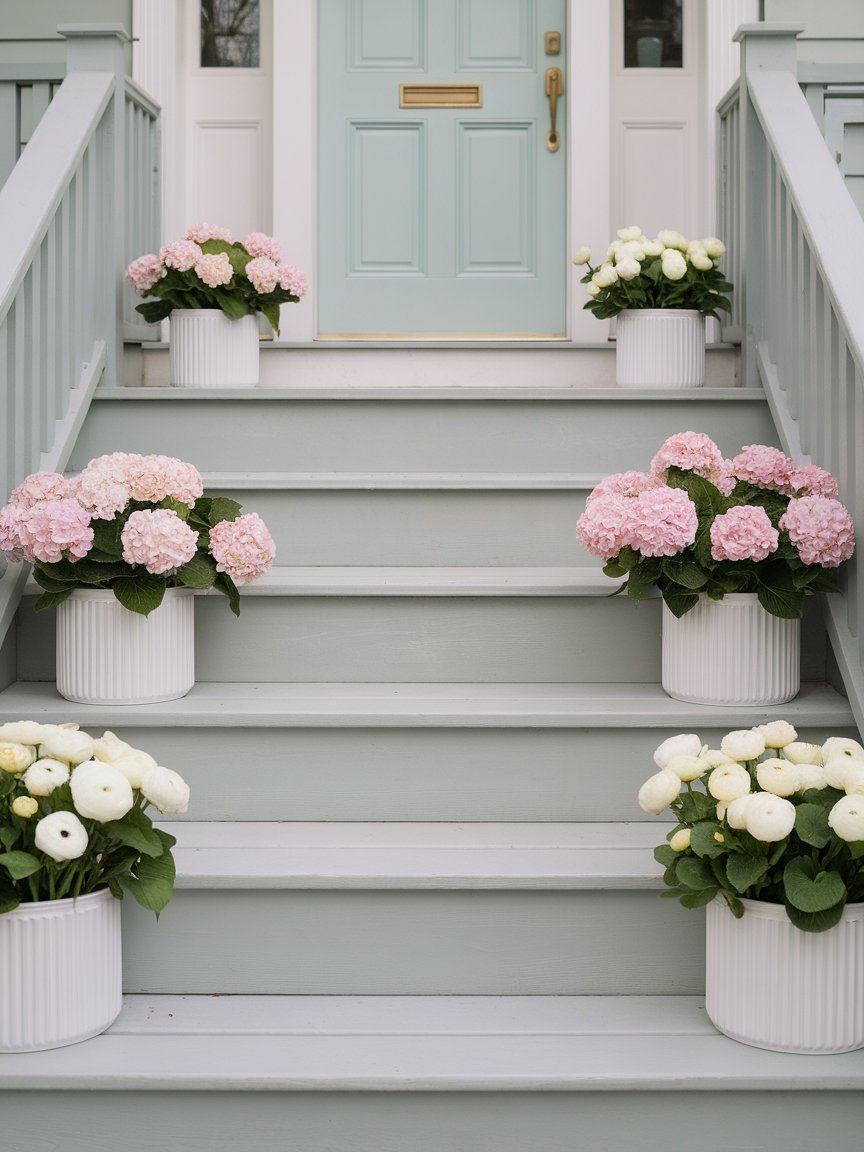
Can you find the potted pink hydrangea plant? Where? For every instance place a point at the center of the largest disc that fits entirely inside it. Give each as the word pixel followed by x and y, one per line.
pixel 212 287
pixel 733 545
pixel 119 550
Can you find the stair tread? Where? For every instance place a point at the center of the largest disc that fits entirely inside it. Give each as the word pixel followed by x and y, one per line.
pixel 406 1043
pixel 401 855
pixel 443 391
pixel 533 705
pixel 258 481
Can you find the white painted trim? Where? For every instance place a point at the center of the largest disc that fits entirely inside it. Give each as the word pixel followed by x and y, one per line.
pixel 154 66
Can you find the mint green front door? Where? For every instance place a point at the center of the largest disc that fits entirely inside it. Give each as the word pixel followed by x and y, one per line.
pixel 444 219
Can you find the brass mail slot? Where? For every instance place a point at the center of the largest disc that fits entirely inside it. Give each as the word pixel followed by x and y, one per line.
pixel 440 95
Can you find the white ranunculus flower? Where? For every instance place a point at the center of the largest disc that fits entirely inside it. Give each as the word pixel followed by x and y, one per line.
pixel 134 765
pixel 100 792
pixel 24 806
pixel 736 811
pixel 701 260
pixel 713 757
pixel 853 783
pixel 68 745
pixel 658 791
pixel 838 746
pixel 673 264
pixel 846 818
pixel 686 744
pixel 838 769
pixel 652 247
pixel 769 818
pixel 743 744
pixel 687 767
pixel 24 732
pixel 628 269
pixel 811 776
pixel 109 747
pixel 592 289
pixel 630 233
pixel 16 758
pixel 800 753
pixel 714 247
pixel 62 836
pixel 777 734
pixel 779 777
pixel 728 782
pixel 582 256
pixel 671 239
pixel 166 789
pixel 605 276
pixel 632 250
pixel 42 777
pixel 680 840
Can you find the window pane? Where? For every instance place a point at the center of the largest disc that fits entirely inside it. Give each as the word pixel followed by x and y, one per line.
pixel 653 33
pixel 229 34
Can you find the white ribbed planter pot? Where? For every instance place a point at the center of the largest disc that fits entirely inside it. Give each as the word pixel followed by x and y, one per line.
pixel 207 350
pixel 660 348
pixel 731 651
pixel 772 986
pixel 108 655
pixel 61 966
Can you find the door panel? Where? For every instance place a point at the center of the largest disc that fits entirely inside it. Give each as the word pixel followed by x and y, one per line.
pixel 447 219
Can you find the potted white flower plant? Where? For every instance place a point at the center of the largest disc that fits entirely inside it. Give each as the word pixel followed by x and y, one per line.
pixel 127 542
pixel 212 288
pixel 769 836
pixel 733 545
pixel 75 835
pixel 660 290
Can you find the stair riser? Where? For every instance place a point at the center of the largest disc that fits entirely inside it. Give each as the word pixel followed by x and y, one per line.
pixel 434 1121
pixel 421 528
pixel 369 774
pixel 402 639
pixel 387 942
pixel 257 434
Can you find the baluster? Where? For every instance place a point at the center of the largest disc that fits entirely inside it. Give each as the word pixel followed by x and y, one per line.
pixel 52 327
pixel 21 452
pixel 32 305
pixel 10 130
pixel 789 289
pixel 78 281
pixel 63 377
pixel 40 98
pixel 7 405
pixel 815 323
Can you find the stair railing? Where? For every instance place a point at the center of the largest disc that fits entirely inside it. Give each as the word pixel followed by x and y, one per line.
pixel 81 201
pixel 797 250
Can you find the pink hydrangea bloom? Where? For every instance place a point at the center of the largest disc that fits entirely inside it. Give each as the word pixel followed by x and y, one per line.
pixel 12 541
pixel 724 478
pixel 605 527
pixel 214 269
pixel 153 478
pixel 203 232
pixel 690 451
pixel 242 548
pixel 744 533
pixel 292 280
pixel 622 484
pixel 821 529
pixel 260 244
pixel 664 521
pixel 763 466
pixel 144 272
pixel 263 274
pixel 811 480
pixel 181 255
pixel 158 539
pixel 40 486
pixel 54 528
pixel 104 488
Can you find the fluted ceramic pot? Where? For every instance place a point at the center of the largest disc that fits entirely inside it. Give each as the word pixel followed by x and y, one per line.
pixel 61 966
pixel 109 655
pixel 770 985
pixel 209 350
pixel 731 652
pixel 660 348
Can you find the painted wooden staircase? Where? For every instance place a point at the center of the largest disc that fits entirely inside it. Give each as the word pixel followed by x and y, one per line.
pixel 417 906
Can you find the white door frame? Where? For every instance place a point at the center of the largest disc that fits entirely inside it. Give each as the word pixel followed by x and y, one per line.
pixel 295 158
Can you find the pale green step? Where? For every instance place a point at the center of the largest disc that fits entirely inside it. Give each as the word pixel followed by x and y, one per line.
pixel 411 909
pixel 420 751
pixel 402 430
pixel 458 1074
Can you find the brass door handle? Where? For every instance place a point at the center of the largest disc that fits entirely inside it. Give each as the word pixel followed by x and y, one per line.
pixel 554 89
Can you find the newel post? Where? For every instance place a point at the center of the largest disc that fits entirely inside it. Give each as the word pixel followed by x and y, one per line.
pixel 764 48
pixel 101 48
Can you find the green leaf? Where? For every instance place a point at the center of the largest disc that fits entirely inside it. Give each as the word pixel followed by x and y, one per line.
pixel 154 883
pixel 20 864
pixel 816 921
pixel 8 836
pixel 141 592
pixel 136 831
pixel 665 855
pixel 200 572
pixel 223 508
pixel 271 311
pixel 232 306
pixel 226 585
pixel 49 582
pixel 744 871
pixel 699 899
pixel 695 873
pixel 696 806
pixel 155 310
pixel 703 839
pixel 787 603
pixel 679 603
pixel 643 579
pixel 685 573
pixel 613 569
pixel 51 599
pixel 106 536
pixel 809 889
pixel 811 824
